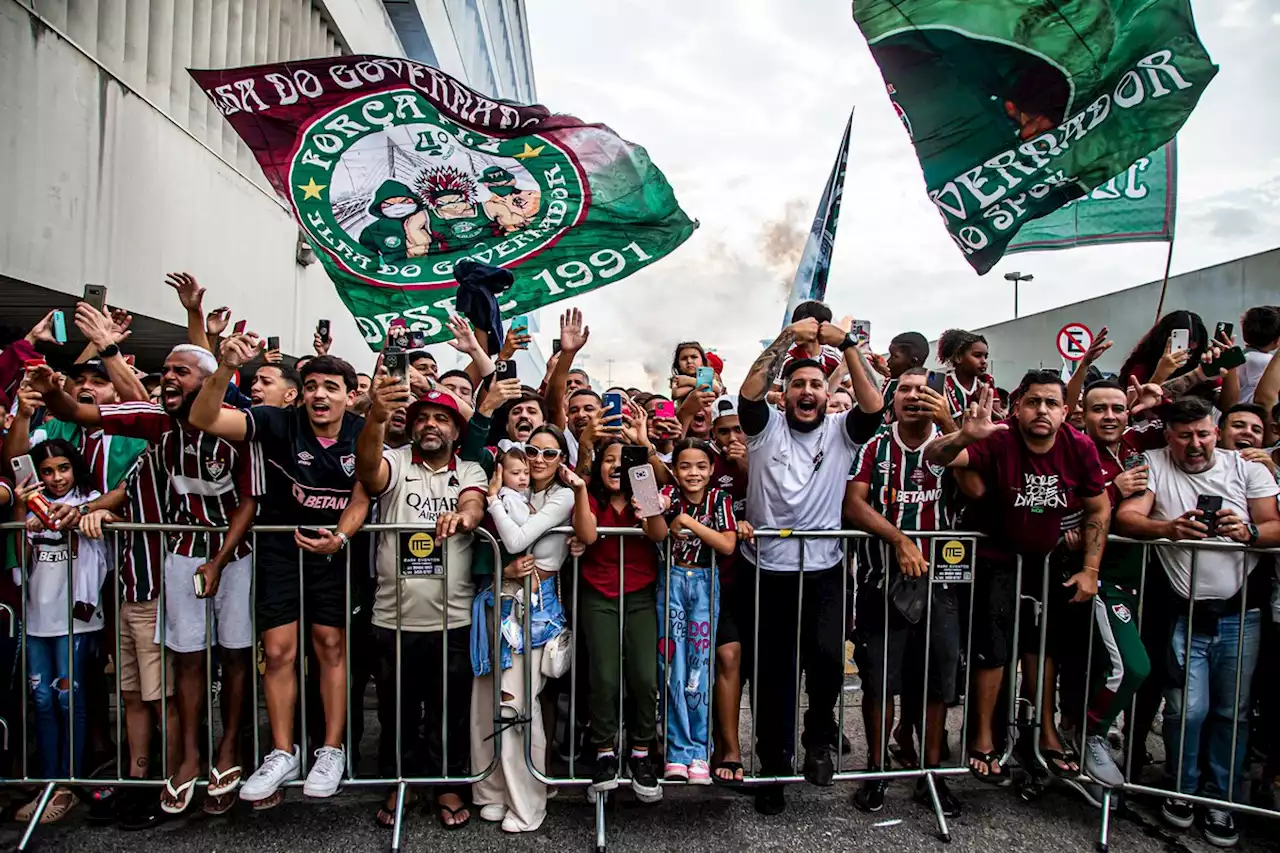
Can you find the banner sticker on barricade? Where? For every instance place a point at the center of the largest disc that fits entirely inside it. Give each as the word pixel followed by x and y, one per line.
pixel 952 560
pixel 419 555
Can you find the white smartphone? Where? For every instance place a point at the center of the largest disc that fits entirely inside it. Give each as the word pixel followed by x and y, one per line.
pixel 1181 339
pixel 645 489
pixel 23 469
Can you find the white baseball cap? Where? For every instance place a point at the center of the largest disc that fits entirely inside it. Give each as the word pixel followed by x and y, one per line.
pixel 724 407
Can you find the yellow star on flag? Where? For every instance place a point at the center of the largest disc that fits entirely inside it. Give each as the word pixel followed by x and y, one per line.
pixel 529 152
pixel 312 190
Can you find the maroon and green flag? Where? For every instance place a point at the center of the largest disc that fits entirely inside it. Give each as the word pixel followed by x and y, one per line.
pixel 1016 107
pixel 396 171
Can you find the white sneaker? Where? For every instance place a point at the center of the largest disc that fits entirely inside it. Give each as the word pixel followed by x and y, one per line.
pixel 326 773
pixel 493 813
pixel 276 769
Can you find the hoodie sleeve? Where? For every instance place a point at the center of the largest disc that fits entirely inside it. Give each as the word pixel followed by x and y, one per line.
pixel 11 368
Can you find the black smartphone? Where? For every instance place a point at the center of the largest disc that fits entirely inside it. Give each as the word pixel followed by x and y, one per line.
pixel 1209 506
pixel 322 329
pixel 505 369
pixel 273 342
pixel 396 362
pixel 937 381
pixel 1223 330
pixel 96 295
pixel 555 346
pixel 1230 358
pixel 309 532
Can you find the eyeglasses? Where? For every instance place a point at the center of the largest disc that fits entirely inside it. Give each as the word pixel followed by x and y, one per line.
pixel 548 453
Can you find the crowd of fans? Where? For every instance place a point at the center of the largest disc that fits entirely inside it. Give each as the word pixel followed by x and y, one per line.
pixel 822 435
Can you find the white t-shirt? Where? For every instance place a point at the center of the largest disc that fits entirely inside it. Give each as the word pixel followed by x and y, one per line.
pixel 1218 573
pixel 50 555
pixel 797 482
pixel 1250 373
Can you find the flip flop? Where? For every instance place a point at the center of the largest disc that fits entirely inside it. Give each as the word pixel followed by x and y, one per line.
pixel 219 805
pixel 453 813
pixel 906 757
pixel 734 767
pixel 218 784
pixel 182 794
pixel 270 802
pixel 1052 758
pixel 991 777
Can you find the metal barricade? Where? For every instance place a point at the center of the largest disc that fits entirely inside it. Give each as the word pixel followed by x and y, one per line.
pixel 399 780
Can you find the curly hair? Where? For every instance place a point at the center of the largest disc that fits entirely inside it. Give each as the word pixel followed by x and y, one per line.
pixel 954 343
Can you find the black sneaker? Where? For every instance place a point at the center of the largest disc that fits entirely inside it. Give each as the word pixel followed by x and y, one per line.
pixel 606 776
pixel 950 805
pixel 771 799
pixel 138 809
pixel 870 797
pixel 1177 813
pixel 103 803
pixel 1219 828
pixel 643 780
pixel 819 768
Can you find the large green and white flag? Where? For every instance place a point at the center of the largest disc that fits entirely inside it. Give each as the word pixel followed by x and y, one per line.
pixel 1016 107
pixel 1139 205
pixel 396 171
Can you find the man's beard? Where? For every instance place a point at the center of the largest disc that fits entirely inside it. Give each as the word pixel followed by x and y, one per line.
pixel 800 426
pixel 442 444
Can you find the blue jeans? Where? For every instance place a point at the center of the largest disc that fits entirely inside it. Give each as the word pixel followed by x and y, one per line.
pixel 46 668
pixel 686 658
pixel 1211 687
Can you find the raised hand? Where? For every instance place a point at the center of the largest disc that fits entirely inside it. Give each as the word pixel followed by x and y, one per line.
pixel 43 331
pixel 978 423
pixel 387 396
pixel 1143 397
pixel 239 350
pixel 1100 345
pixel 190 293
pixel 805 331
pixel 215 323
pixel 464 337
pixel 573 334
pixel 97 327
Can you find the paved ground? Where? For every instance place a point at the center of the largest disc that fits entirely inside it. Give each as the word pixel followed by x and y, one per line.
pixel 994 819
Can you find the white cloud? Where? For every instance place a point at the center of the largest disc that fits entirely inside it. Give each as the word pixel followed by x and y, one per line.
pixel 742 105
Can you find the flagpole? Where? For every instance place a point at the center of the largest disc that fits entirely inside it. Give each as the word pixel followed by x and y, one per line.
pixel 1164 285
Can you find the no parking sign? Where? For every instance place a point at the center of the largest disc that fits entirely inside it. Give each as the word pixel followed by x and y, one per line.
pixel 1074 340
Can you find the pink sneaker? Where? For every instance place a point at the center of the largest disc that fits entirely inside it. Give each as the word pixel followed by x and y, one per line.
pixel 699 772
pixel 675 772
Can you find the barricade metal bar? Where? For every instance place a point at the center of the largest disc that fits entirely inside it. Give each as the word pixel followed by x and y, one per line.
pixel 1041 610
pixel 301 706
pixel 1235 702
pixel 253 663
pixel 1186 670
pixel 795 739
pixel 845 568
pixel 348 728
pixel 120 709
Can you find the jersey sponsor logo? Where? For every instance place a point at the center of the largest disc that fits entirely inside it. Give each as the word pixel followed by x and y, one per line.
pixel 304 458
pixel 310 501
pixel 885 467
pixel 889 495
pixel 349 464
pixel 1122 613
pixel 429 508
pixel 1041 491
pixel 215 467
pixel 726 481
pixel 189 449
pixel 45 556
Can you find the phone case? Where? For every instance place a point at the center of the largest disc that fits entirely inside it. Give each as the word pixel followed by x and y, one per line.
pixel 23 469
pixel 664 409
pixel 645 490
pixel 59 327
pixel 612 404
pixel 706 377
pixel 197 581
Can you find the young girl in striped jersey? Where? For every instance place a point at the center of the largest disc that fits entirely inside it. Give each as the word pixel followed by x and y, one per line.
pixel 965 353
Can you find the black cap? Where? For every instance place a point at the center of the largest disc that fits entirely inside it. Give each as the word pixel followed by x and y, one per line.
pixel 93 365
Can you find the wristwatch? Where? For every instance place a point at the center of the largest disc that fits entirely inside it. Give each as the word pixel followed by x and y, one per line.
pixel 849 341
pixel 343 537
pixel 1253 533
pixel 109 351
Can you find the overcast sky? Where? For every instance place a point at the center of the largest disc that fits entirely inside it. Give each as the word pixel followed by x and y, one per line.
pixel 741 103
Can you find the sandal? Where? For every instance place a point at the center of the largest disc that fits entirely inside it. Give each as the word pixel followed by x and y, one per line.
pixel 270 802
pixel 182 795
pixel 906 756
pixel 442 811
pixel 386 816
pixel 1060 762
pixel 219 805
pixel 218 780
pixel 62 801
pixel 735 770
pixel 988 760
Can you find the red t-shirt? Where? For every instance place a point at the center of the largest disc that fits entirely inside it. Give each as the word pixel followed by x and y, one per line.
pixel 1030 493
pixel 1134 441
pixel 600 562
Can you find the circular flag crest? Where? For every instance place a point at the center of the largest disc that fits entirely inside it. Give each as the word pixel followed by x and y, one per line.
pixel 395 193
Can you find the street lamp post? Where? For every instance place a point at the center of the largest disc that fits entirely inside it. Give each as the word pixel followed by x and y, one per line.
pixel 1016 277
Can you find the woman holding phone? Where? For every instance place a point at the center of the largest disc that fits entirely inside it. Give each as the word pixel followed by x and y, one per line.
pixel 618 576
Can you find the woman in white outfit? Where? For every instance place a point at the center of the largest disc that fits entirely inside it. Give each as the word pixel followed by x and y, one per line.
pixel 510 793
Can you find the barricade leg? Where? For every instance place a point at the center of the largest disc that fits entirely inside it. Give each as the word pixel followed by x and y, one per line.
pixel 402 791
pixel 45 796
pixel 943 832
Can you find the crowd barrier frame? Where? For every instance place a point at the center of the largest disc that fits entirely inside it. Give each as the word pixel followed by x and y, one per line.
pixel 753 777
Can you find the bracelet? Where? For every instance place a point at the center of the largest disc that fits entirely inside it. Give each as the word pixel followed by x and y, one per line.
pixel 344 538
pixel 1090 569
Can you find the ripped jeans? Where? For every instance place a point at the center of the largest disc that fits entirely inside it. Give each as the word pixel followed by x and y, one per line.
pixel 46 670
pixel 688 608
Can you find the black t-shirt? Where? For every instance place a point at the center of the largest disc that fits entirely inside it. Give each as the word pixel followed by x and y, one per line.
pixel 300 481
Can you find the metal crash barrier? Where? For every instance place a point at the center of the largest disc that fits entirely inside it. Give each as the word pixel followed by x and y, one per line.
pixel 951 555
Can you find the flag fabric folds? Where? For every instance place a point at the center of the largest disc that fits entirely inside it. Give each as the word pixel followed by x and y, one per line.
pixel 395 172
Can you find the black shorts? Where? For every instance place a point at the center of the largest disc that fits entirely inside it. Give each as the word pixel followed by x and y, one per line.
pixel 324 588
pixel 902 661
pixel 996 601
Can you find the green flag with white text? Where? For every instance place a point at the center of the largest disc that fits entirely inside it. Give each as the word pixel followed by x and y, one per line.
pixel 1016 107
pixel 395 172
pixel 1139 205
